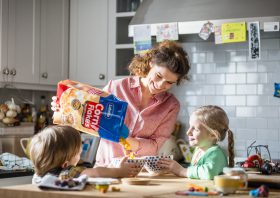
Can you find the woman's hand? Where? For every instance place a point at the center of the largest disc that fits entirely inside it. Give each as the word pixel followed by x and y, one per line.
pixel 127 169
pixel 134 143
pixel 55 107
pixel 172 166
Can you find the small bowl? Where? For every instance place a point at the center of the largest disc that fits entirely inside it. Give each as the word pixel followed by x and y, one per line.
pixel 151 164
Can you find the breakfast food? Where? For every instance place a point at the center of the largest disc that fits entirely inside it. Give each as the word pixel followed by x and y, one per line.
pixel 90 110
pixel 127 147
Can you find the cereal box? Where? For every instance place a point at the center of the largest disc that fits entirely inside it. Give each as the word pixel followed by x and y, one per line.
pixel 90 110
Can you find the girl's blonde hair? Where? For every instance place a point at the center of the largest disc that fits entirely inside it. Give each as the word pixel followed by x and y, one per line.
pixel 53 146
pixel 215 120
pixel 166 54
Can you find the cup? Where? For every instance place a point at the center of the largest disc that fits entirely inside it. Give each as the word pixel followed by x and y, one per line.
pixel 236 171
pixel 25 145
pixel 229 184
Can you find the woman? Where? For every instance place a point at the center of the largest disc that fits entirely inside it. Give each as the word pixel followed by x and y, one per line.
pixel 152 111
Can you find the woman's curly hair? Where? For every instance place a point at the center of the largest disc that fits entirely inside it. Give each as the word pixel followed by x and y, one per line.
pixel 166 54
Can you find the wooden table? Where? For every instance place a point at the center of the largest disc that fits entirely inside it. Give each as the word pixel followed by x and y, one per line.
pixel 160 186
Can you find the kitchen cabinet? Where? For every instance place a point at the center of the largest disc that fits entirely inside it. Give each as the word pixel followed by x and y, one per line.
pixel 88 41
pixel 19 36
pixel 100 48
pixel 54 39
pixel 34 41
pixel 120 46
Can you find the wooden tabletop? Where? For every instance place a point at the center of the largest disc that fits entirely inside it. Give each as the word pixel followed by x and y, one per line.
pixel 160 186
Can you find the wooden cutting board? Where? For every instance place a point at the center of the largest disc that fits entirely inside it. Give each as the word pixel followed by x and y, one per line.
pixel 272 181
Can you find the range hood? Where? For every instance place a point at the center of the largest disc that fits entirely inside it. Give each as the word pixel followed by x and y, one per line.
pixel 192 14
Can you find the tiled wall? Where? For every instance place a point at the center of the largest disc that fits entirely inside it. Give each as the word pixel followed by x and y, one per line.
pixel 223 75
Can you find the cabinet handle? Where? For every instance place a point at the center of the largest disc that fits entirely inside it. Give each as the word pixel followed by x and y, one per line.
pixel 45 75
pixel 13 72
pixel 101 76
pixel 6 71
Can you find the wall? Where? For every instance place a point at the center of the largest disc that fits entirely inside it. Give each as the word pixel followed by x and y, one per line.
pixel 223 75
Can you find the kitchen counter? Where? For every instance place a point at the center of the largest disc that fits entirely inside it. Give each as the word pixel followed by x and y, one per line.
pixel 160 186
pixel 16 173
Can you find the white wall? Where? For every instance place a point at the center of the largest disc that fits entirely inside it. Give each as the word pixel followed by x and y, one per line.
pixel 223 75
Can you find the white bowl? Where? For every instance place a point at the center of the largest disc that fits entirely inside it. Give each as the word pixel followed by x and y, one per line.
pixel 151 164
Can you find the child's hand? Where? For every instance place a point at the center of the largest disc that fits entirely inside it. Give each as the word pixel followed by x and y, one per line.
pixel 55 107
pixel 172 166
pixel 128 170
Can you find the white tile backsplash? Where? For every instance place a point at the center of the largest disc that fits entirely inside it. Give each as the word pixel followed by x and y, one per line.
pixel 268 134
pixel 226 67
pixel 257 100
pixel 268 112
pixel 215 79
pixel 256 78
pixel 245 134
pixel 273 123
pixel 205 68
pixel 270 44
pixel 198 57
pixel 246 111
pixel 236 56
pixel 242 67
pixel 223 75
pixel 215 100
pixel 235 100
pixel 274 54
pixel 246 89
pixel 269 66
pixel 225 89
pixel 265 89
pixel 235 78
pixel 256 123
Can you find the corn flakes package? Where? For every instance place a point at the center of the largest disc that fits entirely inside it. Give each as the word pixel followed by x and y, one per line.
pixel 90 110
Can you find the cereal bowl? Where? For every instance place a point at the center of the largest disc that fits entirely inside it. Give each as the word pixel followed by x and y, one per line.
pixel 151 164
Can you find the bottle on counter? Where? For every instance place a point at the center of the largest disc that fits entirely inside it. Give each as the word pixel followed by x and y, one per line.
pixel 42 118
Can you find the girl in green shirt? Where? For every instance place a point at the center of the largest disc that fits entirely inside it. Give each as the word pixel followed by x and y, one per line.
pixel 208 125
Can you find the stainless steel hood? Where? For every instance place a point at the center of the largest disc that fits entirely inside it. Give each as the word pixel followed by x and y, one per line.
pixel 192 14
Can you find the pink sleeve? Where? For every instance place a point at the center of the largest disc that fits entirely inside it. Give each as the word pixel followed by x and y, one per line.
pixel 152 145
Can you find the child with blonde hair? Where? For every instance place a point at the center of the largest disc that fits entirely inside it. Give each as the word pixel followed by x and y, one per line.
pixel 208 125
pixel 56 150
